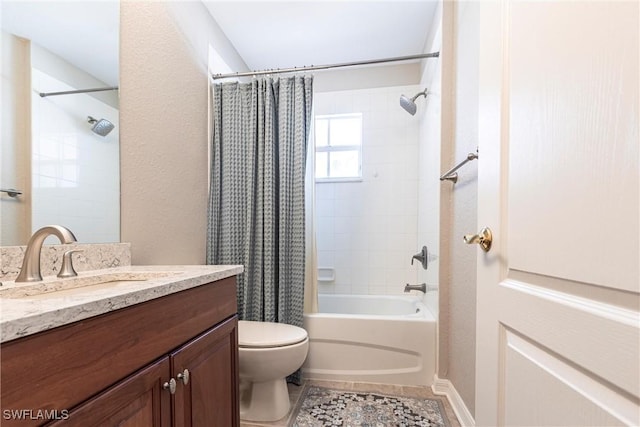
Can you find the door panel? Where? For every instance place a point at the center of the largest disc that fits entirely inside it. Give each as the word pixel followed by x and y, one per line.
pixel 558 323
pixel 573 170
pixel 530 368
pixel 597 336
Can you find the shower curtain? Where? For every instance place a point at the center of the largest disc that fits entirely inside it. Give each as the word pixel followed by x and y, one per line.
pixel 311 250
pixel 260 136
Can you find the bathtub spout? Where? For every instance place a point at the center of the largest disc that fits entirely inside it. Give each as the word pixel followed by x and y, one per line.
pixel 422 287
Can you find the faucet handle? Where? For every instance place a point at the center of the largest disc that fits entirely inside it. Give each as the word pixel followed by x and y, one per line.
pixel 67 269
pixel 422 256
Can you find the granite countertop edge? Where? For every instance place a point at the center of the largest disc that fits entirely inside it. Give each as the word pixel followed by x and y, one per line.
pixel 20 317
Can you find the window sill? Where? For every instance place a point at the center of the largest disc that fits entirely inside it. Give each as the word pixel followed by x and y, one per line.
pixel 337 180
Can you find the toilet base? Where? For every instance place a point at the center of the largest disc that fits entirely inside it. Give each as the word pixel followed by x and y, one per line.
pixel 264 401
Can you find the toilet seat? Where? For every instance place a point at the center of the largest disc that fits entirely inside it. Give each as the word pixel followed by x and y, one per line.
pixel 253 334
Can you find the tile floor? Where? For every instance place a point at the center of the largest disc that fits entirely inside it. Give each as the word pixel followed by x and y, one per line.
pixel 396 390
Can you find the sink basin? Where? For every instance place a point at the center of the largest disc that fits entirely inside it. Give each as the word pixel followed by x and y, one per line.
pixel 79 285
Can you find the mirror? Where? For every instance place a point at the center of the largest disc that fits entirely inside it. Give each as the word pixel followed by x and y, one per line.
pixel 61 151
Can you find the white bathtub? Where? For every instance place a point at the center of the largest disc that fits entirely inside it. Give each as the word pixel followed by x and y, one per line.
pixel 371 338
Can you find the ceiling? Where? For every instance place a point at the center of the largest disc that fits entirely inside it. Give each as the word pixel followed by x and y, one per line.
pixel 282 34
pixel 85 33
pixel 266 34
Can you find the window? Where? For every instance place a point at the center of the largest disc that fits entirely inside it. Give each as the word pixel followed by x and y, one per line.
pixel 338 147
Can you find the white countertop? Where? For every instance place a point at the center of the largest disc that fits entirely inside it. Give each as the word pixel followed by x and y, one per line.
pixel 22 316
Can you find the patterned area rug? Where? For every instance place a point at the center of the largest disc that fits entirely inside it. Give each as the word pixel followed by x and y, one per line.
pixel 322 407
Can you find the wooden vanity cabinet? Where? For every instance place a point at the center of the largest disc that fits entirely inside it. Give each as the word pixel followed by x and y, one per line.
pixel 137 401
pixel 116 369
pixel 209 398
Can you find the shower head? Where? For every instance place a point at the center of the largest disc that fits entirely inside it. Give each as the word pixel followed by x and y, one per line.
pixel 101 127
pixel 409 104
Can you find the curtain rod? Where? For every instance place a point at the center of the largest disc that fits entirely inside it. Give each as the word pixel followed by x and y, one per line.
pixel 70 92
pixel 324 67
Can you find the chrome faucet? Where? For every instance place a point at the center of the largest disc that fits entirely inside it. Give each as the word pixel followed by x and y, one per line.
pixel 422 287
pixel 30 271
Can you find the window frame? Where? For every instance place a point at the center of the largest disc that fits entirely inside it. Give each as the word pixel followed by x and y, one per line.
pixel 337 148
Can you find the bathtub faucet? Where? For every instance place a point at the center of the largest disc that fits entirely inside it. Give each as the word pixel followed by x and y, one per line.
pixel 422 287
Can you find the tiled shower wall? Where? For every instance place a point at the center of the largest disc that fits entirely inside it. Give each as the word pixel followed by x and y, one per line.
pixel 366 230
pixel 75 173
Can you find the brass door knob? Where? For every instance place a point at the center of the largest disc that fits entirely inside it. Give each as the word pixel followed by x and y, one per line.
pixel 483 238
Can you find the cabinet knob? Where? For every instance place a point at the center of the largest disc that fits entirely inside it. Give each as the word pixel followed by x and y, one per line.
pixel 184 376
pixel 170 385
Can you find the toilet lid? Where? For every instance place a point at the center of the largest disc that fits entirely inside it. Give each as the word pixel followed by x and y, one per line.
pixel 268 334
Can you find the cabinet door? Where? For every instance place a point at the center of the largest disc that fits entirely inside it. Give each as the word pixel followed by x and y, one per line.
pixel 210 396
pixel 136 401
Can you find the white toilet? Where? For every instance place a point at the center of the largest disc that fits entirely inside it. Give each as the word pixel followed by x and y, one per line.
pixel 268 352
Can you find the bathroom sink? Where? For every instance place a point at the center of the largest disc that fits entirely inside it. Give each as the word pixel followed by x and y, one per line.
pixel 59 288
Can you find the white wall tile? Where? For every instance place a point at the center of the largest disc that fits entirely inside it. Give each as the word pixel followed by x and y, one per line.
pixel 325 241
pixel 323 104
pixel 73 177
pixel 345 225
pixel 362 101
pixel 375 220
pixel 325 208
pixel 343 242
pixel 342 210
pixel 326 258
pixel 342 289
pixel 403 224
pixel 325 191
pixel 359 289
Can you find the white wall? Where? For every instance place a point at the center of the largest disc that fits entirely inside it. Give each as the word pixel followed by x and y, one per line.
pixel 164 50
pixel 367 230
pixel 203 36
pixel 368 77
pixel 457 329
pixel 64 71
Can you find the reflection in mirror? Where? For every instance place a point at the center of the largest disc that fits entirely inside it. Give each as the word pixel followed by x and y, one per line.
pixel 61 151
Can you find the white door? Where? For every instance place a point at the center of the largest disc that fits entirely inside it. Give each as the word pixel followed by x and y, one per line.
pixel 558 325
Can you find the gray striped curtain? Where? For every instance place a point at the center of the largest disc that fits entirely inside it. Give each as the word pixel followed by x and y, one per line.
pixel 260 133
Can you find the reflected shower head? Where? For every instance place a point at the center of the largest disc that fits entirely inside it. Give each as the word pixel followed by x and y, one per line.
pixel 101 127
pixel 409 104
